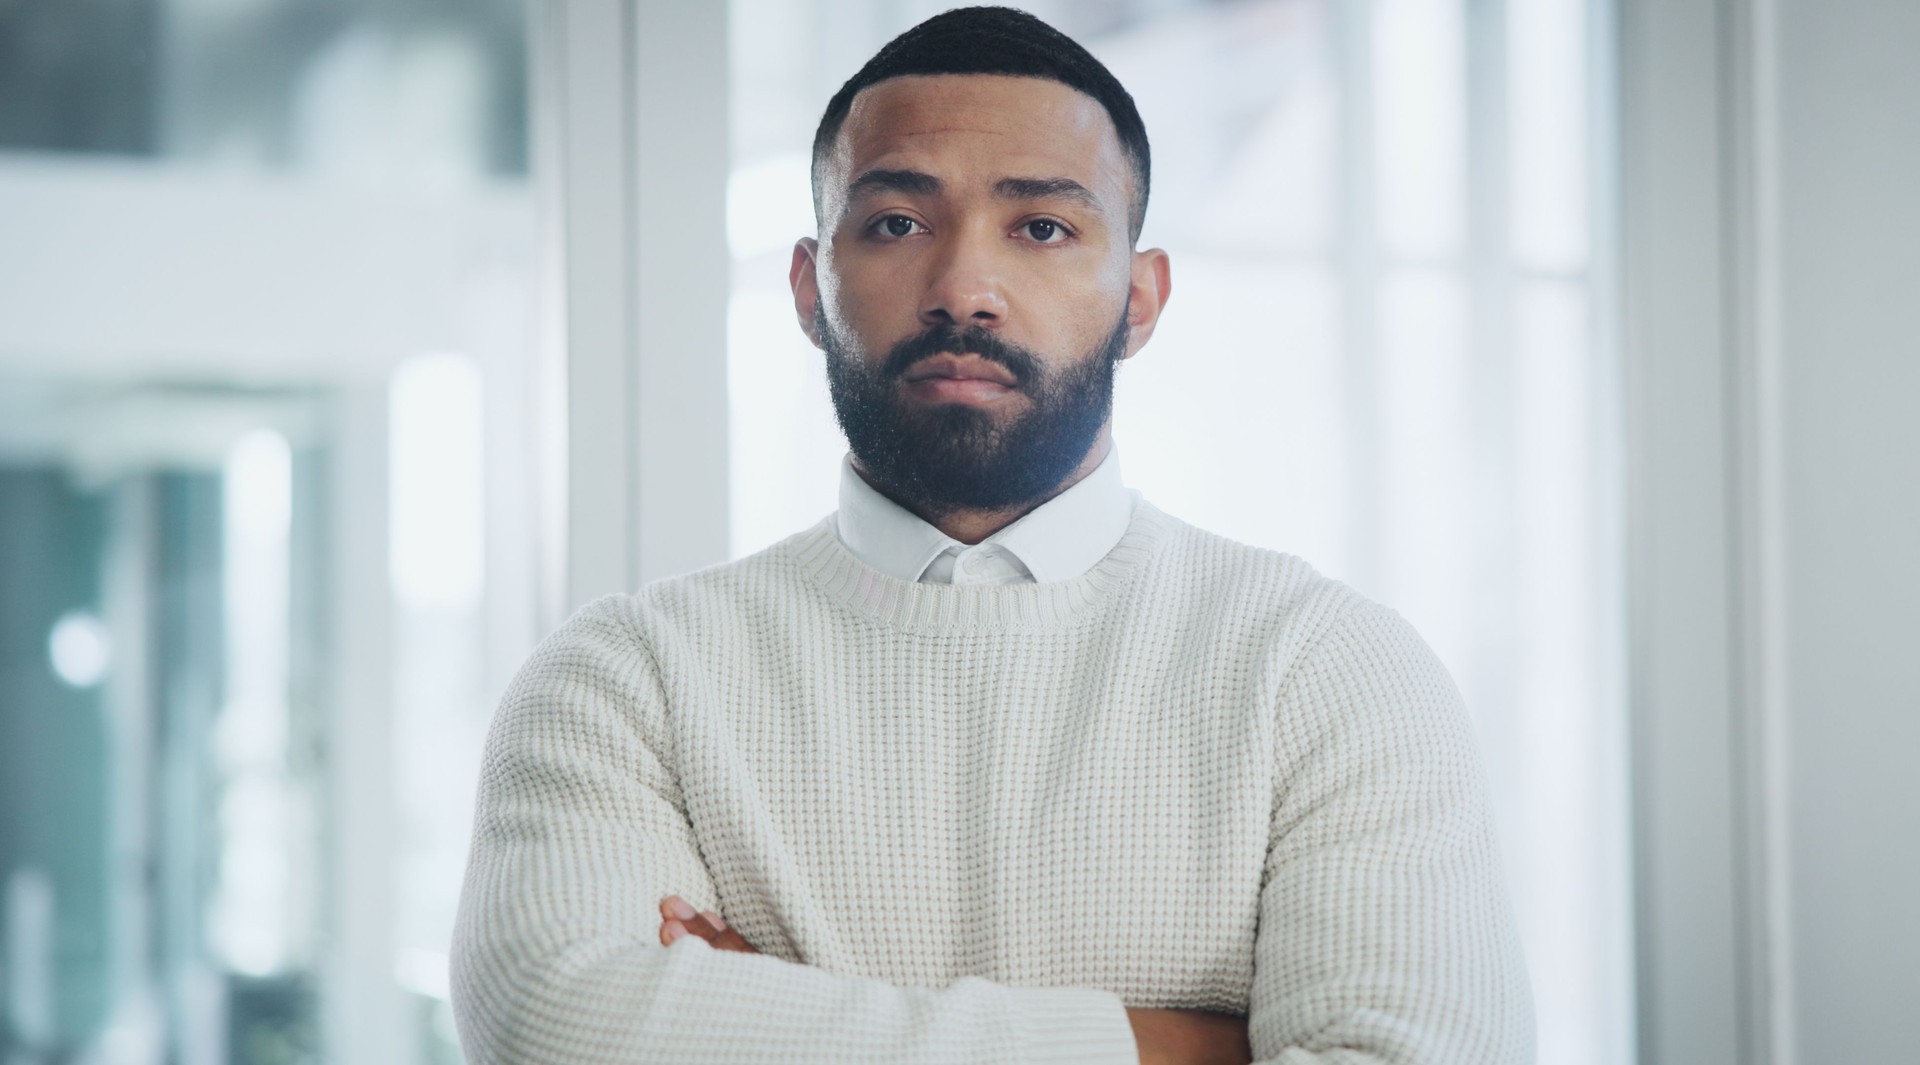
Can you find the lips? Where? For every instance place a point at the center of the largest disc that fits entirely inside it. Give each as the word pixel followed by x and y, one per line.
pixel 959 368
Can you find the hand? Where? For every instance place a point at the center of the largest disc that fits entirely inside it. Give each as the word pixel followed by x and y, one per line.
pixel 1190 1037
pixel 678 918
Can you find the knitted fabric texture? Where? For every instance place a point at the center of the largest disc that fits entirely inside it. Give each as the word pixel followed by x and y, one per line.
pixel 970 824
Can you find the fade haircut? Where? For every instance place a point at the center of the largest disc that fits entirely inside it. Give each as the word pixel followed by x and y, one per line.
pixel 995 40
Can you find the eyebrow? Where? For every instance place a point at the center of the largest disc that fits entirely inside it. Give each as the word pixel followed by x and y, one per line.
pixel 911 182
pixel 1053 188
pixel 917 183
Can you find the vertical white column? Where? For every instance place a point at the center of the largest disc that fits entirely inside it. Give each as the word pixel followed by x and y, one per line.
pixel 1687 296
pixel 365 1018
pixel 585 116
pixel 1358 240
pixel 127 602
pixel 631 157
pixel 1756 404
pixel 1673 343
pixel 683 267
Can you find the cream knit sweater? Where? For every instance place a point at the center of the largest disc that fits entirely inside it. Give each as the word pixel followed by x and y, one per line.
pixel 970 824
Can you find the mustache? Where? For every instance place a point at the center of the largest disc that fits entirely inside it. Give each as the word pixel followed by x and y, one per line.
pixel 948 338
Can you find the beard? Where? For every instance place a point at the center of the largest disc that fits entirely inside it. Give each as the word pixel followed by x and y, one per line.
pixel 946 457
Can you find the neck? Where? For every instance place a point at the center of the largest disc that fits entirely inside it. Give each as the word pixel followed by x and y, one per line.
pixel 970 526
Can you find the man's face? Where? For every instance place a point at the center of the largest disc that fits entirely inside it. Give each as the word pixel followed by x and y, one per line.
pixel 975 285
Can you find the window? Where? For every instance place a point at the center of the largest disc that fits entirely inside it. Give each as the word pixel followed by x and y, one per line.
pixel 1386 352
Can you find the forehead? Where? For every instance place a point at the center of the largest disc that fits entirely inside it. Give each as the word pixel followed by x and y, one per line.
pixel 981 126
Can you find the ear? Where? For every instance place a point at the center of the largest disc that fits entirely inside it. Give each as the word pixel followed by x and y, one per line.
pixel 803 277
pixel 1152 283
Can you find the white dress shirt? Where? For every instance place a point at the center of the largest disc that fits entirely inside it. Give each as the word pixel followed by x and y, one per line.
pixel 1057 541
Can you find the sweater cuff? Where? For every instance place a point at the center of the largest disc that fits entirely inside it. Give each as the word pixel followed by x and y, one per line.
pixel 1075 1026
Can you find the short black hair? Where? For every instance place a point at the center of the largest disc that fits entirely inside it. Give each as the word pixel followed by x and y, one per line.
pixel 996 40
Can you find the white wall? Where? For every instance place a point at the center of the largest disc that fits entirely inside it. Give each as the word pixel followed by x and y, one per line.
pixel 1849 198
pixel 1770 230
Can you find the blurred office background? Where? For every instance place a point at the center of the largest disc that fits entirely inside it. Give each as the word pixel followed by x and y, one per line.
pixel 347 345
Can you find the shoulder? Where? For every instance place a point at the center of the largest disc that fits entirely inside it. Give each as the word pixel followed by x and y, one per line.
pixel 1320 633
pixel 616 635
pixel 1219 578
pixel 747 591
pixel 1370 660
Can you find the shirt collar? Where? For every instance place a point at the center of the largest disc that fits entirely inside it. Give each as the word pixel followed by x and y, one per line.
pixel 1057 541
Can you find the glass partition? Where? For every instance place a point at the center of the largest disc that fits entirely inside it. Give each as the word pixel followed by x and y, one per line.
pixel 266 286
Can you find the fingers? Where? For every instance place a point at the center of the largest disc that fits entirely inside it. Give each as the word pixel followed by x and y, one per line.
pixel 675 914
pixel 676 908
pixel 680 919
pixel 725 938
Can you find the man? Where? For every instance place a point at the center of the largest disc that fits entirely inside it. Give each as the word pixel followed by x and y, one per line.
pixel 999 762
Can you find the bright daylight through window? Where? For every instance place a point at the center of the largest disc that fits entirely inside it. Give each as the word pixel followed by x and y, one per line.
pixel 1389 313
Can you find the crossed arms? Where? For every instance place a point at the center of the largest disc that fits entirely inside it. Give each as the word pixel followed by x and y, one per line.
pixel 1383 935
pixel 1165 1037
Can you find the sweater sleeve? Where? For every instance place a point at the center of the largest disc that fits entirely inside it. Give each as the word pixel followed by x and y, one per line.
pixel 1385 934
pixel 581 830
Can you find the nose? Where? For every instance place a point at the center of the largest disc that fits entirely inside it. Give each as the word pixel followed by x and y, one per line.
pixel 965 287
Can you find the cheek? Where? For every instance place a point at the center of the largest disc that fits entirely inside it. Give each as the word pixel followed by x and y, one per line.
pixel 862 292
pixel 1075 312
pixel 1089 277
pixel 869 311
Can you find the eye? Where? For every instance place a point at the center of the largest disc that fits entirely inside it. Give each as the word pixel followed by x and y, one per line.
pixel 896 225
pixel 1045 231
